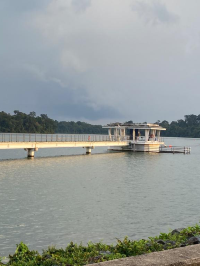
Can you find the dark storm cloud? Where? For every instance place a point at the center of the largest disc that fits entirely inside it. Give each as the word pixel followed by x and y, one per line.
pixel 29 73
pixel 25 92
pixel 95 60
pixel 80 110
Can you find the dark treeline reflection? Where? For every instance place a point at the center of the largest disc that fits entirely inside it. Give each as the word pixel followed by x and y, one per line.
pixel 30 123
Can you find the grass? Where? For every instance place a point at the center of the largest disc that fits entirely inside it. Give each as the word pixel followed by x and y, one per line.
pixel 78 255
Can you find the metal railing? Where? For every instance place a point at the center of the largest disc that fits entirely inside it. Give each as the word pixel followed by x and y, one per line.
pixel 20 137
pixel 175 149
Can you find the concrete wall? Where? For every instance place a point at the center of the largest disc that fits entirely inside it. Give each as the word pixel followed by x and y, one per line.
pixel 147 147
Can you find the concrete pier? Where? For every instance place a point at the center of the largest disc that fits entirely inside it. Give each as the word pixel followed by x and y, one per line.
pixel 33 142
pixel 89 150
pixel 30 153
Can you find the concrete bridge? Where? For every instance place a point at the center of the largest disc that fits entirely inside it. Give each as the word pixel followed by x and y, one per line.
pixel 33 142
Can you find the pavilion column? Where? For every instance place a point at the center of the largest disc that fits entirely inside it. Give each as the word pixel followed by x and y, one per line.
pixel 158 135
pixel 122 133
pixel 146 134
pixel 116 133
pixel 109 133
pixel 133 134
pixel 154 133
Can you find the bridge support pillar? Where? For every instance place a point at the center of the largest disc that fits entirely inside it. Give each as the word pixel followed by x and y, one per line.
pixel 88 150
pixel 31 152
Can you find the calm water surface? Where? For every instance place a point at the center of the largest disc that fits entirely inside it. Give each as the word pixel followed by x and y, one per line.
pixel 54 200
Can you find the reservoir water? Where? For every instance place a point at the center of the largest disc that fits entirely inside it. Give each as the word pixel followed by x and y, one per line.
pixel 63 195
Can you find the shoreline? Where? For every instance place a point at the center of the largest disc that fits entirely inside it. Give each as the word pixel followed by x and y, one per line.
pixel 93 253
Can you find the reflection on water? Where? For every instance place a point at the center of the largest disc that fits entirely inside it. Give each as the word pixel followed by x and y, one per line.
pixel 55 200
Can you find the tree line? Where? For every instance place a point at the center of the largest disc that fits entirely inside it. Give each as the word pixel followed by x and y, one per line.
pixel 187 127
pixel 20 122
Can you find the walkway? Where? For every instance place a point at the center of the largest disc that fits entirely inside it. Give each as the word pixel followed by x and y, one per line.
pixel 33 142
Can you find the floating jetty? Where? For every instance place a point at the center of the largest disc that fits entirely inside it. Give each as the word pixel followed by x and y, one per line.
pixel 143 137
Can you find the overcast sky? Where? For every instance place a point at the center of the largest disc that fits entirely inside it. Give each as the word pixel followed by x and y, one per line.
pixel 100 60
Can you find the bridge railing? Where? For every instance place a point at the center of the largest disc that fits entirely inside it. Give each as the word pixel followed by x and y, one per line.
pixel 20 137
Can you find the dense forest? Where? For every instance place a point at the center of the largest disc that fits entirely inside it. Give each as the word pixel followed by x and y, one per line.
pixel 30 123
pixel 189 127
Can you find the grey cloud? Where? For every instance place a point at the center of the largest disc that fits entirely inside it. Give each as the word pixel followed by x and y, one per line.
pixel 81 5
pixel 154 12
pixel 99 65
pixel 20 6
pixel 25 92
pixel 81 111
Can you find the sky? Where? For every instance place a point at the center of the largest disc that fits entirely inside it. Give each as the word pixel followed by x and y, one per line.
pixel 100 61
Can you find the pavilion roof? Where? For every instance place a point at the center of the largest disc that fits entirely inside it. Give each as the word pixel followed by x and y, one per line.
pixel 134 126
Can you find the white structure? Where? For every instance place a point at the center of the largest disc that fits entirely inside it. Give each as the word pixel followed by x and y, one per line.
pixel 33 142
pixel 142 137
pixel 121 137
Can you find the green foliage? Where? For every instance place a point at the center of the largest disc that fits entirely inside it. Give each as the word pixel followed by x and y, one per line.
pixel 78 128
pixel 189 127
pixel 77 255
pixel 131 248
pixel 30 123
pixel 23 255
pixel 23 123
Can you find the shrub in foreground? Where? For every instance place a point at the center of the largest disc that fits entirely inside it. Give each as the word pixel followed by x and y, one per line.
pixel 77 255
